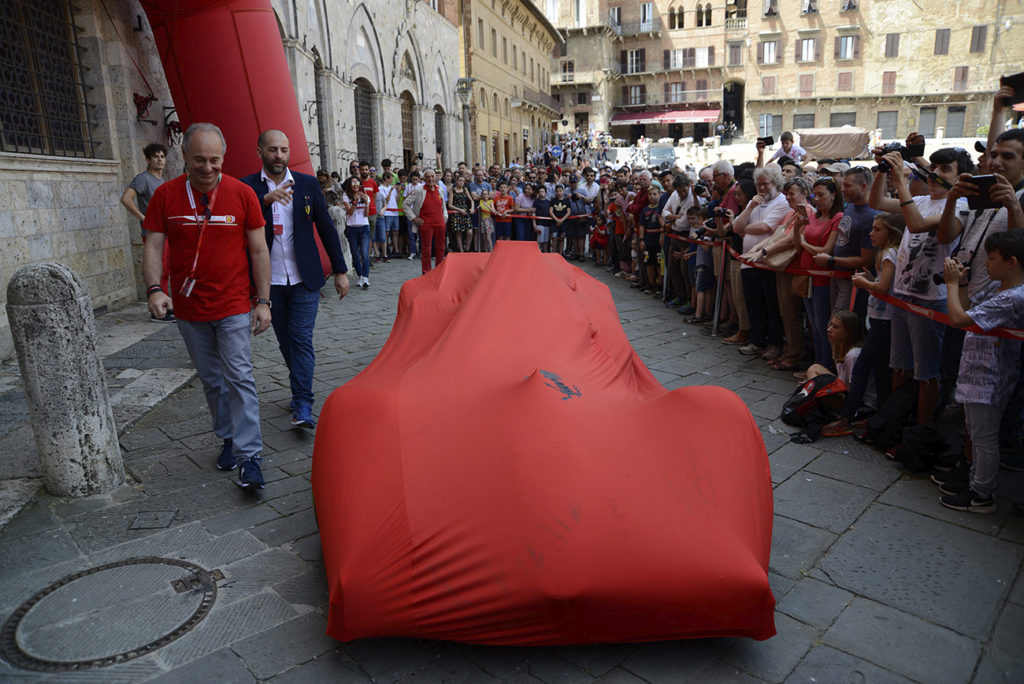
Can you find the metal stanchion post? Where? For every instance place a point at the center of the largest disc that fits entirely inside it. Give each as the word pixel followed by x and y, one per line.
pixel 719 288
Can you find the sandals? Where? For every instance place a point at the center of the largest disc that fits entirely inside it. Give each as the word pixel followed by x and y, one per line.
pixel 830 431
pixel 782 364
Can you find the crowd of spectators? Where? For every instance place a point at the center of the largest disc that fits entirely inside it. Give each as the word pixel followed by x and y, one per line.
pixel 815 267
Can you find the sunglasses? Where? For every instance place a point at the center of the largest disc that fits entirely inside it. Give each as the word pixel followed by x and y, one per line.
pixel 205 201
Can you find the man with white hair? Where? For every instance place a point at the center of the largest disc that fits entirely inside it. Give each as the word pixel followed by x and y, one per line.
pixel 212 225
pixel 758 220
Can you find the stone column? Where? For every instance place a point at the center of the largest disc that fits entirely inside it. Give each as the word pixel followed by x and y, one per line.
pixel 55 339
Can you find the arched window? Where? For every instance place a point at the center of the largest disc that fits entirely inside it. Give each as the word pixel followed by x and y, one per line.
pixel 707 14
pixel 700 14
pixel 494 101
pixel 671 18
pixel 680 18
pixel 483 99
pixel 508 110
pixel 366 124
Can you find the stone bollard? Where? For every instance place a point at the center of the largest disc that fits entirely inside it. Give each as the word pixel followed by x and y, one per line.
pixel 54 333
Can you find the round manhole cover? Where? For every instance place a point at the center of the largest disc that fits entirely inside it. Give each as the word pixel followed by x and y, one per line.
pixel 108 614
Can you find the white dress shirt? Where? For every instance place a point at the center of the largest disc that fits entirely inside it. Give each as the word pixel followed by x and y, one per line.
pixel 284 270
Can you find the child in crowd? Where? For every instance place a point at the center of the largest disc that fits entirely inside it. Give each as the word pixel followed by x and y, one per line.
pixel 559 214
pixel 486 207
pixel 617 217
pixel 845 337
pixel 599 243
pixel 917 340
pixel 542 218
pixel 886 234
pixel 387 221
pixel 649 232
pixel 503 203
pixel 704 280
pixel 989 366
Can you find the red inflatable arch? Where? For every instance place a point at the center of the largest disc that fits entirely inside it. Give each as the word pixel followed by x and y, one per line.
pixel 224 63
pixel 507 471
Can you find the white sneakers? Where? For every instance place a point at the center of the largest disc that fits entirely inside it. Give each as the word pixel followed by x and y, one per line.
pixel 364 282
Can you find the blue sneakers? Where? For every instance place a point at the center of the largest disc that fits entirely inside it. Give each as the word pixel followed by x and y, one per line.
pixel 226 460
pixel 303 417
pixel 250 476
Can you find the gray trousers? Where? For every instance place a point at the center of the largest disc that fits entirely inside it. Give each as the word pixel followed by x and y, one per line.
pixel 222 355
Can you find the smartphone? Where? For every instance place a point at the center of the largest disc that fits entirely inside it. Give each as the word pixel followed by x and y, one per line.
pixel 982 200
pixel 768 140
pixel 1016 81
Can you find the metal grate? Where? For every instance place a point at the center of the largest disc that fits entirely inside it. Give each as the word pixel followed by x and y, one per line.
pixel 439 137
pixel 42 96
pixel 408 136
pixel 365 129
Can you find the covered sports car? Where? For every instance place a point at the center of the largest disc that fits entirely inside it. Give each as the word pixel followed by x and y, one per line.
pixel 507 471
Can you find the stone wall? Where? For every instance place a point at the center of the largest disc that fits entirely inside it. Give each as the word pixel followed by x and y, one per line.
pixel 68 210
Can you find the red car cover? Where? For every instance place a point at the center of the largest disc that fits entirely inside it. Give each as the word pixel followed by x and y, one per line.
pixel 507 471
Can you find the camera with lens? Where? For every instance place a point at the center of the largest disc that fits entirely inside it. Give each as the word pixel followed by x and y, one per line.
pixel 721 212
pixel 701 231
pixel 908 153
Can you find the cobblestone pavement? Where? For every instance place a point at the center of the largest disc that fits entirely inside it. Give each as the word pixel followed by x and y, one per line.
pixel 874 580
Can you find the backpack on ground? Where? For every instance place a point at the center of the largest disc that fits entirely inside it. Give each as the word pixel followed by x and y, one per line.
pixel 819 399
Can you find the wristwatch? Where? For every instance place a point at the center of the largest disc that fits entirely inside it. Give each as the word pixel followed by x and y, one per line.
pixel 269 304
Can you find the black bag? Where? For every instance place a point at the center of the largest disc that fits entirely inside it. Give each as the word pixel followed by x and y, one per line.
pixel 921 447
pixel 819 399
pixel 885 428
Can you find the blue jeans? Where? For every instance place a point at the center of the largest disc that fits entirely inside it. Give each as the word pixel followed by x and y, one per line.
pixel 359 241
pixel 293 318
pixel 222 355
pixel 819 310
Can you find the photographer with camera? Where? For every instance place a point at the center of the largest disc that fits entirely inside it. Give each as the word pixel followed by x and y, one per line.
pixel 676 268
pixel 917 340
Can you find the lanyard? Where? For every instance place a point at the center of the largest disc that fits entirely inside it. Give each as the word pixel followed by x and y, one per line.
pixel 201 223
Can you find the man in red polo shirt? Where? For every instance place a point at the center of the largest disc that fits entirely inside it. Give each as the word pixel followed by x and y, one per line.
pixel 425 208
pixel 212 225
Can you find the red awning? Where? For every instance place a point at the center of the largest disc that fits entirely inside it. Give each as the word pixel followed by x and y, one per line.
pixel 674 117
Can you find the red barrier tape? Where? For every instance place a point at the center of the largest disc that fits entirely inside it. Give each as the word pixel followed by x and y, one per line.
pixel 1008 333
pixel 543 218
pixel 694 241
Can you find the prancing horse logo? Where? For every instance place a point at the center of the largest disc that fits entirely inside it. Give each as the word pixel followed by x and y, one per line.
pixel 556 383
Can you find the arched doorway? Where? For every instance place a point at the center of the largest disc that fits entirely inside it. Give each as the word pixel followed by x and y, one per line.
pixel 732 105
pixel 408 133
pixel 439 136
pixel 366 125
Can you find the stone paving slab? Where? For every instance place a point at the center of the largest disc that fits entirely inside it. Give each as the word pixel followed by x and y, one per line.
pixel 921 566
pixel 903 643
pixel 866 566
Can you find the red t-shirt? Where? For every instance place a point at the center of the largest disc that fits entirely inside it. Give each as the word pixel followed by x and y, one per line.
pixel 617 215
pixel 370 187
pixel 222 271
pixel 503 203
pixel 817 233
pixel 432 211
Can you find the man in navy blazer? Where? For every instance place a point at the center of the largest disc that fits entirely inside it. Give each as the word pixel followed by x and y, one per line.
pixel 294 206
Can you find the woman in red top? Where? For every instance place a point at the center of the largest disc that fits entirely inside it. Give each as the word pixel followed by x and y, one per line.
pixel 818 236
